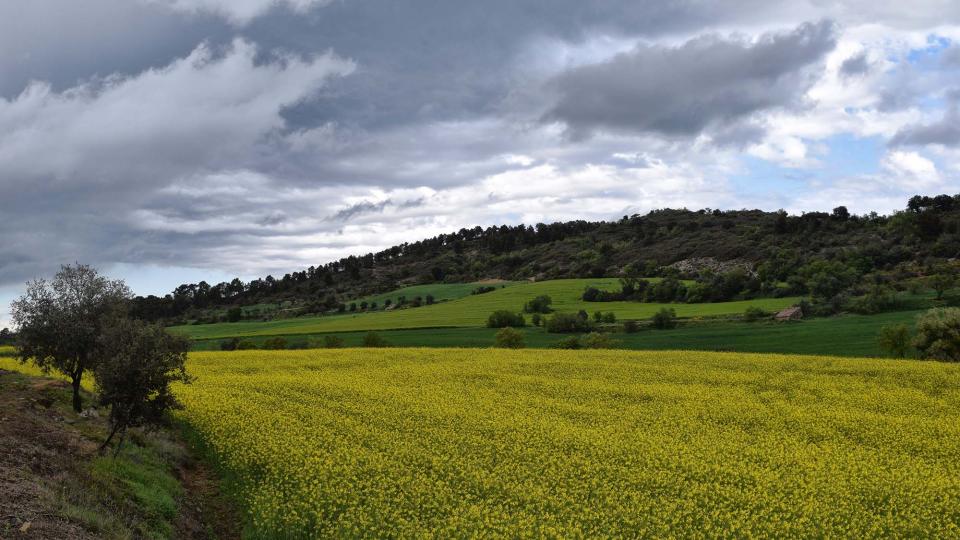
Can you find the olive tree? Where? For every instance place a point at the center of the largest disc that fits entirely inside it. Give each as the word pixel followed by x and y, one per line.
pixel 938 335
pixel 59 322
pixel 138 363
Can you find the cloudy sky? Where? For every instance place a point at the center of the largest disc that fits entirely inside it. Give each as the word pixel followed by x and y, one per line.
pixel 168 141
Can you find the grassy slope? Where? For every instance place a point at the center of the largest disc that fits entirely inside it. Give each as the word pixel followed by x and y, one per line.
pixel 472 311
pixel 451 443
pixel 848 335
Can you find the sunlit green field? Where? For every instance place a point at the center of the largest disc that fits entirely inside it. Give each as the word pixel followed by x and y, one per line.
pixel 474 310
pixel 846 335
pixel 455 443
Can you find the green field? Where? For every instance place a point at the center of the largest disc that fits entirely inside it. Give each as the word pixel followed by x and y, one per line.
pixel 847 335
pixel 472 311
pixel 405 443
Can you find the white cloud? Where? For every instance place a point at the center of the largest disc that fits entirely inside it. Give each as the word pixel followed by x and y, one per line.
pixel 238 12
pixel 198 112
pixel 911 170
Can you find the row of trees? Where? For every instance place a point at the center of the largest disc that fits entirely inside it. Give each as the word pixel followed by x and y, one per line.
pixel 77 324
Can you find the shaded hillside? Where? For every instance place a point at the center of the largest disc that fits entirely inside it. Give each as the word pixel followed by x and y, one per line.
pixel 777 247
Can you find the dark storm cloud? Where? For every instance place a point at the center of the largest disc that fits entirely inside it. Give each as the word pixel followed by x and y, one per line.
pixel 424 60
pixel 945 132
pixel 63 42
pixel 855 65
pixel 224 134
pixel 683 90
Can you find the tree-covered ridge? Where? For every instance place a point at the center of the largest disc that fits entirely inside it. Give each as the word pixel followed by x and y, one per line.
pixel 815 253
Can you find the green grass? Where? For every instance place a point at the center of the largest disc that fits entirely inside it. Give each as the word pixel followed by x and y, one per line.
pixel 472 311
pixel 847 335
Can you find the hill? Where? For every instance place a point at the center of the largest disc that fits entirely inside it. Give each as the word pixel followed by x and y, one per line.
pixel 823 254
pixel 473 311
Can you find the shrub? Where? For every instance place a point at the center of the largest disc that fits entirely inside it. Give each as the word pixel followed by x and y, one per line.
pixel 753 314
pixel 138 361
pixel 373 339
pixel 631 327
pixel 275 343
pixel 540 304
pixel 597 340
pixel 246 345
pixel 564 323
pixel 610 317
pixel 938 335
pixel 298 345
pixel 536 319
pixel 569 342
pixel 668 290
pixel 483 289
pixel 894 339
pixel 230 344
pixel 664 319
pixel 333 342
pixel 508 338
pixel 234 314
pixel 597 317
pixel 504 318
pixel 877 300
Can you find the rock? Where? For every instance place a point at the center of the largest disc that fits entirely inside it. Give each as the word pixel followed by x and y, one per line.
pixel 90 413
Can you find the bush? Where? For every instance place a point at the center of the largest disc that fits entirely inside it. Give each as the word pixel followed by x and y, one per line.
pixel 540 304
pixel 597 340
pixel 504 318
pixel 234 314
pixel 275 344
pixel 938 335
pixel 230 344
pixel 631 327
pixel 483 289
pixel 894 339
pixel 610 317
pixel 877 300
pixel 753 314
pixel 565 323
pixel 569 342
pixel 664 319
pixel 508 338
pixel 373 339
pixel 333 342
pixel 246 345
pixel 597 317
pixel 536 319
pixel 138 361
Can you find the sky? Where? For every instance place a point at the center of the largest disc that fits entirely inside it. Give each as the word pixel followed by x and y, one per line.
pixel 173 141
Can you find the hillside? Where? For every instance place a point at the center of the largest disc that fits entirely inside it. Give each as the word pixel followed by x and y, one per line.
pixel 473 310
pixel 774 247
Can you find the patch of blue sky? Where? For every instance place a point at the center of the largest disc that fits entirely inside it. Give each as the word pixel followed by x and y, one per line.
pixel 845 156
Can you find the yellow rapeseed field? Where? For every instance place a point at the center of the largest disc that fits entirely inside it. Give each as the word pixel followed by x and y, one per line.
pixel 494 443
